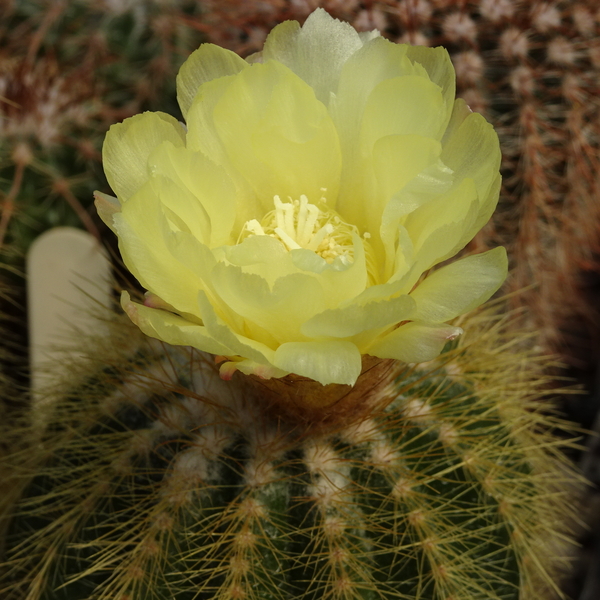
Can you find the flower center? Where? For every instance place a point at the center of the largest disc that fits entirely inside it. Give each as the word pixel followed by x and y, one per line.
pixel 300 224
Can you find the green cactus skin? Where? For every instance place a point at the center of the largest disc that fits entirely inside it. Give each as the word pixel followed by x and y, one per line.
pixel 154 479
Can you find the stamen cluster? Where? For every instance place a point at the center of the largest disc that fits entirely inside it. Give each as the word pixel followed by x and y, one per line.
pixel 300 224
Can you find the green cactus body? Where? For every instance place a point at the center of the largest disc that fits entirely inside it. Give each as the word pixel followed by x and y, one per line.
pixel 157 480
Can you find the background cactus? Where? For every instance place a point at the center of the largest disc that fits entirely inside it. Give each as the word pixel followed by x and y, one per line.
pixel 156 479
pixel 68 70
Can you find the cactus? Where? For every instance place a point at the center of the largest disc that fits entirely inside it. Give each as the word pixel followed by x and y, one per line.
pixel 156 479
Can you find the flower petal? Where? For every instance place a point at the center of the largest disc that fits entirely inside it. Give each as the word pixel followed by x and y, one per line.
pixel 239 345
pixel 267 127
pixel 202 192
pixel 206 63
pixel 149 247
pixel 278 136
pixel 403 105
pixel 325 362
pixel 249 367
pixel 460 111
pixel 414 342
pixel 128 145
pixel 261 255
pixel 398 159
pixel 281 310
pixel 409 174
pixel 340 280
pixel 473 152
pixel 107 206
pixel 461 286
pixel 395 142
pixel 182 209
pixel 437 229
pixel 440 70
pixel 355 318
pixel 378 60
pixel 316 52
pixel 170 328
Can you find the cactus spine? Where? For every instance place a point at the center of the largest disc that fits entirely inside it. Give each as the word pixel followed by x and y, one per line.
pixel 154 479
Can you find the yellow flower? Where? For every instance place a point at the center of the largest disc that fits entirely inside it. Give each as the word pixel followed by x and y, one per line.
pixel 288 226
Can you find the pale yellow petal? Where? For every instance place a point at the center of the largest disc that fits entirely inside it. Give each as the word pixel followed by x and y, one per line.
pixel 255 57
pixel 398 159
pixel 409 175
pixel 240 345
pixel 206 63
pixel 473 151
pixel 250 367
pixel 341 280
pixel 170 328
pixel 376 61
pixel 367 36
pixel 277 136
pixel 325 362
pixel 383 291
pixel 437 229
pixel 460 111
pixel 262 255
pixel 200 261
pixel 316 52
pixel 209 194
pixel 440 70
pixel 182 209
pixel 356 318
pixel 404 261
pixel 128 145
pixel 202 136
pixel 403 105
pixel 461 286
pixel 381 94
pixel 281 310
pixel 107 206
pixel 414 342
pixel 146 241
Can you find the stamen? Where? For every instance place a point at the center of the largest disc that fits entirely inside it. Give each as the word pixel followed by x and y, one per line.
pixel 320 236
pixel 289 218
pixel 309 225
pixel 279 211
pixel 286 239
pixel 301 226
pixel 253 226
